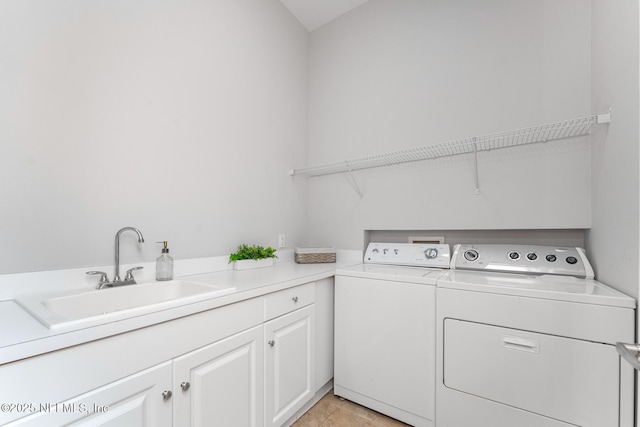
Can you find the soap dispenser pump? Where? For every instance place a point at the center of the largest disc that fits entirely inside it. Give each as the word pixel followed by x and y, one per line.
pixel 164 264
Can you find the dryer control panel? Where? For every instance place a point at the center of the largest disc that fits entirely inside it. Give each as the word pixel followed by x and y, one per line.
pixel 523 259
pixel 410 254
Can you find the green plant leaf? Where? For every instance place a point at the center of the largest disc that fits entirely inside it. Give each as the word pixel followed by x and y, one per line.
pixel 252 252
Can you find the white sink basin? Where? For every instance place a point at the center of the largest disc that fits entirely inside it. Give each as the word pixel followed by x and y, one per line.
pixel 94 307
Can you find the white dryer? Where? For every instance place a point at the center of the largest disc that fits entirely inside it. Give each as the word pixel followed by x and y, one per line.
pixel 526 338
pixel 385 330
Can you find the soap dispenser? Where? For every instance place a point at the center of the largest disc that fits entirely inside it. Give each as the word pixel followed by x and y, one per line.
pixel 164 264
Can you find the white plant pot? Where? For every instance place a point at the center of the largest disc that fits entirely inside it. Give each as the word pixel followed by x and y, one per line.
pixel 246 264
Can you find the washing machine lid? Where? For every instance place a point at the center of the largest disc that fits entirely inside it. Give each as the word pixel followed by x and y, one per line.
pixel 418 275
pixel 554 287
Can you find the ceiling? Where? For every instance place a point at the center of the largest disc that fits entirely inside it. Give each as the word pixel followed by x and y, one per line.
pixel 315 13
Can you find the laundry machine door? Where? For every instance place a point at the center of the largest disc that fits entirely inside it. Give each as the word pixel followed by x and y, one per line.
pixel 564 379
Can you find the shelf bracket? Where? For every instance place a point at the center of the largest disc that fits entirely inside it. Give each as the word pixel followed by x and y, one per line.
pixel 353 179
pixel 475 169
pixel 603 118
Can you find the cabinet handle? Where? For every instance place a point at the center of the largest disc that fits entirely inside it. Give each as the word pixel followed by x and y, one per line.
pixel 185 385
pixel 271 343
pixel 295 299
pixel 166 395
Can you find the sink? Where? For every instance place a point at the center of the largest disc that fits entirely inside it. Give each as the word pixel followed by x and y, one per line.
pixel 94 307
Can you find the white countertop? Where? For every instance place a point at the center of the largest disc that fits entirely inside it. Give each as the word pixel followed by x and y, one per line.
pixel 22 336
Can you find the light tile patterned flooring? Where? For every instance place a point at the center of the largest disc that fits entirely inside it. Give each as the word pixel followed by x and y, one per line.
pixel 332 411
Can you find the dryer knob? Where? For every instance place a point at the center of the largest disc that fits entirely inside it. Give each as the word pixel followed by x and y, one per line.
pixel 572 260
pixel 471 255
pixel 431 253
pixel 514 255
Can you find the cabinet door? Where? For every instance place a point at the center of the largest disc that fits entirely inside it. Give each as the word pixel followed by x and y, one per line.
pixel 221 384
pixel 289 361
pixel 136 401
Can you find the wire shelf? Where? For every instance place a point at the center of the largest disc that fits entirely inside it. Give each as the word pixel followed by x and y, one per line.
pixel 543 133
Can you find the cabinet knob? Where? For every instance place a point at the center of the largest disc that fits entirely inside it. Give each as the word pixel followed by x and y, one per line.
pixel 295 299
pixel 271 343
pixel 166 395
pixel 185 385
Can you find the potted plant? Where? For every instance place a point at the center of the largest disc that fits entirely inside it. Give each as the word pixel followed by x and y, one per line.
pixel 252 257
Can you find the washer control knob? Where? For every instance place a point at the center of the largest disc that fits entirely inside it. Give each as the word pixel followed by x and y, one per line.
pixel 572 260
pixel 375 251
pixel 471 255
pixel 384 251
pixel 551 258
pixel 514 255
pixel 431 253
pixel 532 256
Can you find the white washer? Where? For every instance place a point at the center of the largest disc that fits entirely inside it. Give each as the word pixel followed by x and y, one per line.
pixel 526 337
pixel 385 330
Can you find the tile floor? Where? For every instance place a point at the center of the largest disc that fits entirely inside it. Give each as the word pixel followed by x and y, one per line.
pixel 331 411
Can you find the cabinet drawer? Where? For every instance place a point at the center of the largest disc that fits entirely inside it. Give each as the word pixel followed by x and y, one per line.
pixel 284 301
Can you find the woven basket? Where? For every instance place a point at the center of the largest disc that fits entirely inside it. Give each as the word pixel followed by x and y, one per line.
pixel 314 255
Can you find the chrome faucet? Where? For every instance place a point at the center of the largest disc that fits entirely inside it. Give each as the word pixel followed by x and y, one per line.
pixel 128 278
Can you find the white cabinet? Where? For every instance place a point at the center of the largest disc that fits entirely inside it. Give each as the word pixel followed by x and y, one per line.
pixel 141 400
pixel 206 369
pixel 62 375
pixel 289 357
pixel 221 384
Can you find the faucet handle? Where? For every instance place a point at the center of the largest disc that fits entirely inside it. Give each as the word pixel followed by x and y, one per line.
pixel 129 275
pixel 103 278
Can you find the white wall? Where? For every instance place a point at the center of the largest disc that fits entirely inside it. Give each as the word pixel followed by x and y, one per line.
pixel 179 117
pixel 398 74
pixel 613 240
pixel 182 117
